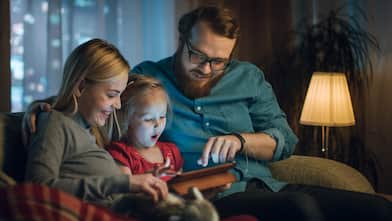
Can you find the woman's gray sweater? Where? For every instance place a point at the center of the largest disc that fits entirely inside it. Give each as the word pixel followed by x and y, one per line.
pixel 63 154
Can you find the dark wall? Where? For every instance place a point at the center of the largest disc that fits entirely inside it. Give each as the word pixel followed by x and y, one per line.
pixel 264 29
pixel 379 109
pixel 267 40
pixel 5 75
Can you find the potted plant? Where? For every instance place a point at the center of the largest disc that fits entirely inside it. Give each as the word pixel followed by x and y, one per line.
pixel 336 43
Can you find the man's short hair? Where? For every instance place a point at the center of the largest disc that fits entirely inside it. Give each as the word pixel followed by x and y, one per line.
pixel 220 20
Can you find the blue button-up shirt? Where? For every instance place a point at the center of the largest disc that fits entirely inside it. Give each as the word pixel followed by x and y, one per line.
pixel 242 101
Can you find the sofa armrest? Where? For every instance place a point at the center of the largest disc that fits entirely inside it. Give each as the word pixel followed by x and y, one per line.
pixel 12 152
pixel 321 172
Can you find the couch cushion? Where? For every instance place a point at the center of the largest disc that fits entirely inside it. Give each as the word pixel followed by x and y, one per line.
pixel 320 172
pixel 12 151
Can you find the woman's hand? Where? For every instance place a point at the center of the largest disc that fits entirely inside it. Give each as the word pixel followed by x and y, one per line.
pixel 150 185
pixel 29 121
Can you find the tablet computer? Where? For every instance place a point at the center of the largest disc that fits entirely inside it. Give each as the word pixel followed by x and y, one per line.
pixel 204 178
pixel 206 171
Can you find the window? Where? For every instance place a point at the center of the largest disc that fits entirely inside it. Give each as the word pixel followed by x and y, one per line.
pixel 43 33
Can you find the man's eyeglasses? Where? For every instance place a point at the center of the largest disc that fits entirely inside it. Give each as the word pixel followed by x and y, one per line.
pixel 196 57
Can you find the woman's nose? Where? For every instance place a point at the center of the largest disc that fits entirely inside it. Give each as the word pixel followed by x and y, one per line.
pixel 117 103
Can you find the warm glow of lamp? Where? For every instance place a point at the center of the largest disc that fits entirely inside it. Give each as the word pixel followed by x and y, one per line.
pixel 327 104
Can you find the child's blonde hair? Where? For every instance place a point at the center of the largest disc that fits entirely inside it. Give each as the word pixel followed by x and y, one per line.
pixel 139 85
pixel 94 61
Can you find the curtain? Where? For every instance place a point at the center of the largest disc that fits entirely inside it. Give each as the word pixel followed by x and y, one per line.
pixel 43 33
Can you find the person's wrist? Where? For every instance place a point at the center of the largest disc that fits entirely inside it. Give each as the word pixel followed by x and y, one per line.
pixel 241 139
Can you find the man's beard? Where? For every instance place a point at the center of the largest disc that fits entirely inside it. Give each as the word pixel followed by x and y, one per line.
pixel 191 88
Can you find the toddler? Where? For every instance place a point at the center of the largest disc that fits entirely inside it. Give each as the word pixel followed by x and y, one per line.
pixel 145 104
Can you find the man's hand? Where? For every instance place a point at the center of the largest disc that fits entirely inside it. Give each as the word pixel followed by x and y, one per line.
pixel 150 185
pixel 30 119
pixel 220 149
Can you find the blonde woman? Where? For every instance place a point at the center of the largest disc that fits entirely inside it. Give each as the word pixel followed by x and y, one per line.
pixel 64 153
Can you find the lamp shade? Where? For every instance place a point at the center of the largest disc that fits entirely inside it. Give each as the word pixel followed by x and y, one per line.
pixel 328 101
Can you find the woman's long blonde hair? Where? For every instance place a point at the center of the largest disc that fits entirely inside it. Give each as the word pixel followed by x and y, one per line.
pixel 94 61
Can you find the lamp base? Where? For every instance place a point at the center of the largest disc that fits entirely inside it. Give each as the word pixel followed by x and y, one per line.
pixel 324 140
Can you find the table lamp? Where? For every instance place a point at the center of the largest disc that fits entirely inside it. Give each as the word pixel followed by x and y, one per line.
pixel 327 104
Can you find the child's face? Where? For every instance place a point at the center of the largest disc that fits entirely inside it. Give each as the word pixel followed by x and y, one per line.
pixel 148 121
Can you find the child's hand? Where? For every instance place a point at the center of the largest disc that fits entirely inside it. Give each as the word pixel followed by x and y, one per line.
pixel 170 172
pixel 159 169
pixel 165 170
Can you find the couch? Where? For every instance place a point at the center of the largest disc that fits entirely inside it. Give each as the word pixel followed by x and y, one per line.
pixel 296 169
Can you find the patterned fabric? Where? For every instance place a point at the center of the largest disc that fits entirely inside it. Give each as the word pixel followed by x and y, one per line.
pixel 36 202
pixel 130 157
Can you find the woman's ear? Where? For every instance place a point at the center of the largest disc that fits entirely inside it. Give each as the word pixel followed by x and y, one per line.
pixel 80 88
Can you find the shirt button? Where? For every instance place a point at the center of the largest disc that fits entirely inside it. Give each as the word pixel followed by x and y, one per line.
pixel 207 124
pixel 198 108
